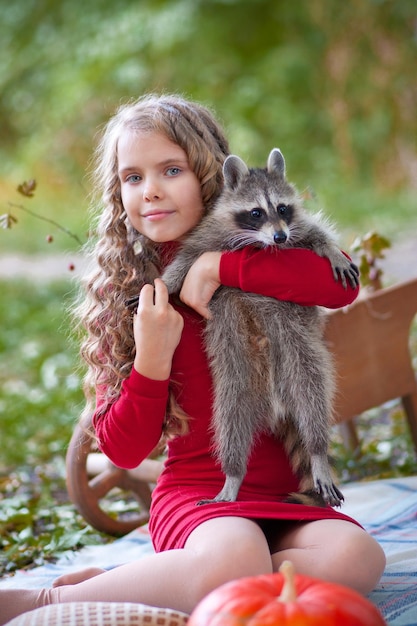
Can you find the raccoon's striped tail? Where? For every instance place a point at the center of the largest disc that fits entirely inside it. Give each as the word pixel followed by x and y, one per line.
pixel 308 498
pixel 300 463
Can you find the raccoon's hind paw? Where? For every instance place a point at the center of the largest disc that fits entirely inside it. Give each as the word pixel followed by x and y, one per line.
pixel 330 493
pixel 228 493
pixel 213 501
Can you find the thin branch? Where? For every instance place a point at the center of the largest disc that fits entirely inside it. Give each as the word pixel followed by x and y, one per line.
pixel 47 219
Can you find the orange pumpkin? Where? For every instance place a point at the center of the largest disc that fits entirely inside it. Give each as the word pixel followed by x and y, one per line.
pixel 284 599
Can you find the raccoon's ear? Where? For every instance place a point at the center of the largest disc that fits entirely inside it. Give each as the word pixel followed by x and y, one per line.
pixel 276 162
pixel 234 169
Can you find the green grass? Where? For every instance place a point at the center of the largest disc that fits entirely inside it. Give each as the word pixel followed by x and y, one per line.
pixel 40 400
pixel 40 390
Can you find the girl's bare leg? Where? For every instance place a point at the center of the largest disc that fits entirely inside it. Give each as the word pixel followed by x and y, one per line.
pixel 217 551
pixel 333 550
pixel 77 577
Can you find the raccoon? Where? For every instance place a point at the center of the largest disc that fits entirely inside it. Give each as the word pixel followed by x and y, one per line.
pixel 270 366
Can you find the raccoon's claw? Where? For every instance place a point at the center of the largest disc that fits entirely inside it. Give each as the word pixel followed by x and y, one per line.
pixel 350 274
pixel 355 269
pixel 213 501
pixel 228 493
pixel 353 275
pixel 331 494
pixel 132 303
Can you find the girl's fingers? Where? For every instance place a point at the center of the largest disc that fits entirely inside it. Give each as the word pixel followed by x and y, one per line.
pixel 161 292
pixel 146 296
pixel 151 295
pixel 157 329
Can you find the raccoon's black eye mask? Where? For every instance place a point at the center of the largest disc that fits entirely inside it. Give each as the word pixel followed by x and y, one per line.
pixel 250 220
pixel 282 208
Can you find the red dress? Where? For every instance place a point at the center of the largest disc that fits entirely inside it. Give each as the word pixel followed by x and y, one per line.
pixel 131 427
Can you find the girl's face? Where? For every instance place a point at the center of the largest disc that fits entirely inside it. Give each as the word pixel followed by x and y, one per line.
pixel 160 193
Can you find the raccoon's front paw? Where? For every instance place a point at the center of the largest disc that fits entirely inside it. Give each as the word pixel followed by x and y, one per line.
pixel 351 274
pixel 344 270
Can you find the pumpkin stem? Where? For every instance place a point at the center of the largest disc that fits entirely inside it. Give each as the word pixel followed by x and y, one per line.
pixel 288 593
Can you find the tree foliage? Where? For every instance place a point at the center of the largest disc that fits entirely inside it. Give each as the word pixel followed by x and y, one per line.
pixel 333 84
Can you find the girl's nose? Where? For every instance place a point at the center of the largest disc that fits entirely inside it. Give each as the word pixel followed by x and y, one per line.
pixel 151 190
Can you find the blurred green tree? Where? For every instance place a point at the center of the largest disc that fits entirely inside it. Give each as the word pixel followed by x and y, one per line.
pixel 333 84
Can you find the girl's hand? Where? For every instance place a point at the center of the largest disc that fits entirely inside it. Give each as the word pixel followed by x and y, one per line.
pixel 201 282
pixel 157 328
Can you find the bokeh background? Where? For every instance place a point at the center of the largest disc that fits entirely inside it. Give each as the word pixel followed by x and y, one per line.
pixel 333 84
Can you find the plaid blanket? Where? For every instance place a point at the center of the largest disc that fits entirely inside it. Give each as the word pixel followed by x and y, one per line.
pixel 386 508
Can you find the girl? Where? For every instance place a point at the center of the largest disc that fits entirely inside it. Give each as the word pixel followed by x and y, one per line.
pixel 159 169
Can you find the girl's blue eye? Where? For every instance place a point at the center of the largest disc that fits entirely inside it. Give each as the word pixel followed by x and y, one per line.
pixel 133 178
pixel 173 171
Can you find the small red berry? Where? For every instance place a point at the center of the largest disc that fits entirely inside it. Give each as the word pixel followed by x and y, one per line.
pixel 71 267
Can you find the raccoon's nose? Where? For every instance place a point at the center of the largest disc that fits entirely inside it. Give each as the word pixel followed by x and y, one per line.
pixel 280 237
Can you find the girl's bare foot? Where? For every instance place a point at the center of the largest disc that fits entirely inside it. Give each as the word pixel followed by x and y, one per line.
pixel 77 577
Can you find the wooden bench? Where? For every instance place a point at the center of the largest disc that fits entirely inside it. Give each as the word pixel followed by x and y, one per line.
pixel 370 344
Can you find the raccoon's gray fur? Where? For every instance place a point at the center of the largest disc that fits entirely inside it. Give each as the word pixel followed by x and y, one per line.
pixel 270 367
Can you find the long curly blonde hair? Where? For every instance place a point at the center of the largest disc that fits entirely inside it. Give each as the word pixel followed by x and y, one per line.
pixel 122 259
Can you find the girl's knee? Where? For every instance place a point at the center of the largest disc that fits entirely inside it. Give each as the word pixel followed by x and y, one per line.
pixel 366 564
pixel 333 550
pixel 358 561
pixel 244 554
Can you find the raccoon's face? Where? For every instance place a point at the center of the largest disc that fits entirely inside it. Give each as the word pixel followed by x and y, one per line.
pixel 259 205
pixel 266 222
pixel 263 211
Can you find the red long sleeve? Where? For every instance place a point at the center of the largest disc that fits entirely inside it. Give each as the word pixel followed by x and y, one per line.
pixel 131 427
pixel 296 274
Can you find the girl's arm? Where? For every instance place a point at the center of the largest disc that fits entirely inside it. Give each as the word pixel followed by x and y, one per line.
pixel 294 274
pixel 130 428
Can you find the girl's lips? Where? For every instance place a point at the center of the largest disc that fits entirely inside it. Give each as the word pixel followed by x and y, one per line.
pixel 155 216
